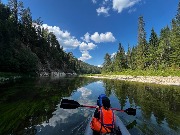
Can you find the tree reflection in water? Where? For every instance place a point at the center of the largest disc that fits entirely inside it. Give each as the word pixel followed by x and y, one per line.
pixel 31 106
pixel 156 101
pixel 29 102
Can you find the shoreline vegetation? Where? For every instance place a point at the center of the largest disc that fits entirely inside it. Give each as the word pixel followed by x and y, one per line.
pixel 168 80
pixel 27 47
pixel 168 77
pixel 165 77
pixel 158 56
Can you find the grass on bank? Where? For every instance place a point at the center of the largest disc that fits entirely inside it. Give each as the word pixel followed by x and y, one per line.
pixel 163 73
pixel 11 74
pixel 8 74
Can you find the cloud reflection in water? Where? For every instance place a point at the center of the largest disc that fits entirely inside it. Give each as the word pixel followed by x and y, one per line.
pixel 62 118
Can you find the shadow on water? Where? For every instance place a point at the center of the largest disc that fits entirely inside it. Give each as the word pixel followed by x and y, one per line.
pixel 29 102
pixel 131 125
pixel 31 106
pixel 159 105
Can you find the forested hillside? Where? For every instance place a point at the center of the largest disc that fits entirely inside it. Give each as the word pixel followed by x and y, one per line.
pixel 26 47
pixel 159 53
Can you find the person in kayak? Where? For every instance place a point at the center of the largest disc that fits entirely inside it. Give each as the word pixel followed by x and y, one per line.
pixel 103 120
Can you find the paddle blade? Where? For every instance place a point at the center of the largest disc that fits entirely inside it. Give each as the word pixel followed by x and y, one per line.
pixel 69 104
pixel 130 111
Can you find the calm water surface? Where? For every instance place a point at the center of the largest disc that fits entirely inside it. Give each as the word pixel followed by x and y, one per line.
pixel 32 106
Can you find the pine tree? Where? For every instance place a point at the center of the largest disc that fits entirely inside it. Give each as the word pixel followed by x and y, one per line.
pixel 175 39
pixel 164 49
pixel 178 15
pixel 120 61
pixel 16 7
pixel 133 58
pixel 26 17
pixel 142 45
pixel 175 44
pixel 13 4
pixel 116 63
pixel 123 58
pixel 107 63
pixel 152 52
pixel 27 29
pixel 129 57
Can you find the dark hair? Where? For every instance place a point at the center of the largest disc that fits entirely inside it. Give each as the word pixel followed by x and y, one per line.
pixel 106 102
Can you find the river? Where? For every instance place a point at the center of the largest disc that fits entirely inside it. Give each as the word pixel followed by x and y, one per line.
pixel 32 106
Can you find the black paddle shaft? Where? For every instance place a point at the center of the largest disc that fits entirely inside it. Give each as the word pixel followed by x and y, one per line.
pixel 71 104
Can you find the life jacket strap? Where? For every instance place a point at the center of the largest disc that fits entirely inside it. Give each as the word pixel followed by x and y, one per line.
pixel 106 125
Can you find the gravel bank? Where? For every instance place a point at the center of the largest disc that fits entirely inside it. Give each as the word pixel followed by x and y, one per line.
pixel 170 80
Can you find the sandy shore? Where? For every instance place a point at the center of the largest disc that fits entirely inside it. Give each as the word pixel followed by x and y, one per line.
pixel 145 79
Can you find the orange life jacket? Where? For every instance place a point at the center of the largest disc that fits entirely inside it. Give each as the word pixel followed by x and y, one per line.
pixel 105 123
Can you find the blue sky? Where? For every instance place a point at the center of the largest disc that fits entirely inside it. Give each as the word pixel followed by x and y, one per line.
pixel 91 28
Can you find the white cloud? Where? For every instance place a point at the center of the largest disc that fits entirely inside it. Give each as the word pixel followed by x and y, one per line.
pixel 103 10
pixel 86 46
pixel 64 37
pixel 85 92
pixel 107 37
pixel 98 38
pixel 60 116
pixel 119 5
pixel 85 56
pixel 86 37
pixel 70 42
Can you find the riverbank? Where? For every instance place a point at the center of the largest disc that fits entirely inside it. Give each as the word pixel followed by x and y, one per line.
pixel 169 80
pixel 8 76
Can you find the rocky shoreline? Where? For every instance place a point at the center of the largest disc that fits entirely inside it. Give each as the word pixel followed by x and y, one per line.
pixel 170 80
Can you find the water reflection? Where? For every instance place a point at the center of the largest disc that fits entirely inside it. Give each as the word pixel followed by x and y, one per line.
pixel 160 105
pixel 73 121
pixel 33 106
pixel 69 121
pixel 131 125
pixel 31 102
pixel 61 115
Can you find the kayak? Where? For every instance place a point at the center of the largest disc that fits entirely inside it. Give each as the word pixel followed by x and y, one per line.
pixel 119 127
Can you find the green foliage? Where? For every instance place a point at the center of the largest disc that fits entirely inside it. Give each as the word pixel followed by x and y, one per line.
pixel 32 99
pixel 26 46
pixel 167 72
pixel 175 44
pixel 107 65
pixel 142 47
pixel 161 101
pixel 152 50
pixel 129 57
pixel 8 75
pixel 27 61
pixel 120 60
pixel 161 56
pixel 178 15
pixel 4 12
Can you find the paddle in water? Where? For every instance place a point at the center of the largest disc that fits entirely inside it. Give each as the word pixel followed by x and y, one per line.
pixel 71 104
